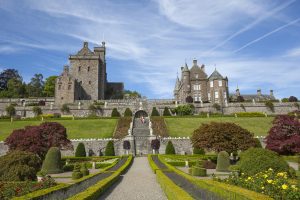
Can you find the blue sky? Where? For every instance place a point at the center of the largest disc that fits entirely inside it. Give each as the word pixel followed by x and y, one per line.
pixel 256 43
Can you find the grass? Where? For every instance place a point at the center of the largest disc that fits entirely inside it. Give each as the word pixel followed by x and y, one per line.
pixel 87 128
pixel 184 126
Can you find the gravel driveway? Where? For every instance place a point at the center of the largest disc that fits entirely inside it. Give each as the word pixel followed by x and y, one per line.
pixel 138 183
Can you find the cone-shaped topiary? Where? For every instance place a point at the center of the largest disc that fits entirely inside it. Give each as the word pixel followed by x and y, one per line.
pixel 110 150
pixel 166 112
pixel 80 150
pixel 155 112
pixel 223 162
pixel 115 113
pixel 128 112
pixel 51 164
pixel 84 170
pixel 76 174
pixel 170 148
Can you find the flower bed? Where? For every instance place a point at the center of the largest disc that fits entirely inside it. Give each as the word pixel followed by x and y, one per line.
pixel 275 185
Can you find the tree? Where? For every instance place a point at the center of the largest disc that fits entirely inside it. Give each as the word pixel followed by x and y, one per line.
pixel 80 150
pixel 293 99
pixel 6 75
pixel 132 94
pixel 128 112
pixel 37 111
pixel 19 166
pixel 184 109
pixel 170 148
pixel 65 108
pixel 10 110
pixel 95 109
pixel 16 89
pixel 166 112
pixel 154 112
pixel 218 137
pixel 49 88
pixel 38 139
pixel 110 149
pixel 35 86
pixel 284 135
pixel 115 113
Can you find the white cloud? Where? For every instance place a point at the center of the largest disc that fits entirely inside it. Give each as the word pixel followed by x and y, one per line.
pixel 293 53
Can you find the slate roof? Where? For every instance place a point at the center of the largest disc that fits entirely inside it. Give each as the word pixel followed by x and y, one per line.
pixel 215 76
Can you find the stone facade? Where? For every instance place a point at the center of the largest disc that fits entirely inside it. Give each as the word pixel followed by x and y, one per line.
pixel 253 97
pixel 196 85
pixel 86 79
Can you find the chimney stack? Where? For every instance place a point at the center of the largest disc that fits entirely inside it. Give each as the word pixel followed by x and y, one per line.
pixel 271 93
pixel 194 62
pixel 203 68
pixel 237 92
pixel 103 44
pixel 66 69
pixel 85 44
pixel 259 92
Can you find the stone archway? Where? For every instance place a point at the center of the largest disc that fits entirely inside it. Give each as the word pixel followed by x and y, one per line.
pixel 140 113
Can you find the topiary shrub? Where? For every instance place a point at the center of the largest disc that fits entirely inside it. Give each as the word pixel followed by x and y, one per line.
pixel 218 136
pixel 223 162
pixel 84 170
pixel 293 99
pixel 65 108
pixel 51 164
pixel 184 110
pixel 80 150
pixel 198 151
pixel 115 113
pixel 170 148
pixel 19 166
pixel 166 112
pixel 37 111
pixel 255 160
pixel 216 106
pixel 128 112
pixel 10 111
pixel 154 112
pixel 76 174
pixel 110 150
pixel 270 105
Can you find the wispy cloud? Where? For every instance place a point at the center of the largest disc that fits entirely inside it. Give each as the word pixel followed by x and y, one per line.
pixel 293 53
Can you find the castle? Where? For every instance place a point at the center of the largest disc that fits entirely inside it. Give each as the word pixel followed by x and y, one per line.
pixel 86 78
pixel 196 86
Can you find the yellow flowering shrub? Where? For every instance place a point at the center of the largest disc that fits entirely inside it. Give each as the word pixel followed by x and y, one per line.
pixel 271 183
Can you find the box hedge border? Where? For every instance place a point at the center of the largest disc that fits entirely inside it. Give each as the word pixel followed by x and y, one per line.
pixel 40 193
pixel 100 187
pixel 221 189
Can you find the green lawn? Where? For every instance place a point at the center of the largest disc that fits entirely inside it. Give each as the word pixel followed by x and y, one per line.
pixel 184 126
pixel 87 128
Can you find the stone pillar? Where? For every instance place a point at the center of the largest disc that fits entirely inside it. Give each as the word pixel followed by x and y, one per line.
pixel 201 103
pixel 79 105
pixel 105 104
pixel 51 106
pixel 253 101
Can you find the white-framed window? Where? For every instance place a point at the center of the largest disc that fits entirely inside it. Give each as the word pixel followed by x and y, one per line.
pixel 208 95
pixel 196 75
pixel 216 95
pixel 220 83
pixel 197 87
pixel 211 83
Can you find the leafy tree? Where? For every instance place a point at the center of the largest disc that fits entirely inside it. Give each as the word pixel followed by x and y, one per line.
pixel 95 109
pixel 284 136
pixel 166 112
pixel 132 94
pixel 255 160
pixel 218 136
pixel 80 150
pixel 285 99
pixel 170 148
pixel 10 110
pixel 51 164
pixel 293 99
pixel 110 149
pixel 35 86
pixel 37 110
pixel 128 112
pixel 38 139
pixel 49 88
pixel 154 112
pixel 19 166
pixel 6 75
pixel 115 113
pixel 269 105
pixel 16 89
pixel 184 109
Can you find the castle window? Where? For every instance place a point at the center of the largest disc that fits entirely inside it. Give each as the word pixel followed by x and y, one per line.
pixel 220 83
pixel 79 68
pixel 216 95
pixel 69 87
pixel 197 87
pixel 88 68
pixel 90 82
pixel 211 83
pixel 59 87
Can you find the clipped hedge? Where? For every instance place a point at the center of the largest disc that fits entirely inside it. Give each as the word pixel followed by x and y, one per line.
pixel 221 189
pixel 153 166
pixel 250 114
pixel 93 192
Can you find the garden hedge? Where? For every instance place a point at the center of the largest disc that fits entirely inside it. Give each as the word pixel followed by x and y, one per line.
pixel 93 192
pixel 221 189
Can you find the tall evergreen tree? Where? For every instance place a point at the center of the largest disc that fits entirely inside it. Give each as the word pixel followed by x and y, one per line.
pixel 36 85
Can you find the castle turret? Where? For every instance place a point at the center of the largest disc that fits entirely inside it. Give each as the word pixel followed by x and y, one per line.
pixel 186 78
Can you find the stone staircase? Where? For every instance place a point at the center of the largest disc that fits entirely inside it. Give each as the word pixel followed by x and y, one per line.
pixel 141 133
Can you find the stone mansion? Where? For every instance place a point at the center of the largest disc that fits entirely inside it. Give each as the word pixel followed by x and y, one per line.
pixel 86 78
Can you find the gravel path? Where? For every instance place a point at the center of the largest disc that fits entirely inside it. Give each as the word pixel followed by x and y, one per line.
pixel 138 183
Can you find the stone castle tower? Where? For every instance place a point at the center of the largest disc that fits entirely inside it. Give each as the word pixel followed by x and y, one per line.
pixel 198 87
pixel 86 79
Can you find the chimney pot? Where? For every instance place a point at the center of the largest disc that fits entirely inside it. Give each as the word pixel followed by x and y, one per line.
pixel 194 62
